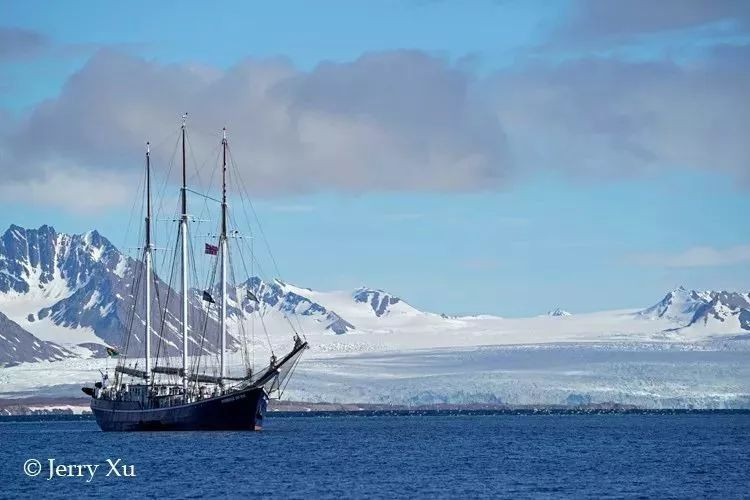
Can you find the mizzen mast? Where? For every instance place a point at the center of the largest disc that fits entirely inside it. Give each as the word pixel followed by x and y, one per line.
pixel 148 258
pixel 184 267
pixel 224 251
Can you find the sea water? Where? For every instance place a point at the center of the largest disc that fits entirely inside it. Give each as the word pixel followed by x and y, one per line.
pixel 389 456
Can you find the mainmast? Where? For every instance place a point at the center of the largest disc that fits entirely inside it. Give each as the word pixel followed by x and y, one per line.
pixel 224 251
pixel 147 257
pixel 184 237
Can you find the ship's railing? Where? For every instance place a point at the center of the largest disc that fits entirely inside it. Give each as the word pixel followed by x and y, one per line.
pixel 271 377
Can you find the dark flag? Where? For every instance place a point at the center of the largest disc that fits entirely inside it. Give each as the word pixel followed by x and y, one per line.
pixel 251 296
pixel 211 249
pixel 207 297
pixel 112 353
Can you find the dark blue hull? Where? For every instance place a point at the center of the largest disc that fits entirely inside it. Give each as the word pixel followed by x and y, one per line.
pixel 241 410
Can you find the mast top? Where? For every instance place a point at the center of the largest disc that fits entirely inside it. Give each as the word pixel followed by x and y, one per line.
pixel 184 119
pixel 148 147
pixel 224 133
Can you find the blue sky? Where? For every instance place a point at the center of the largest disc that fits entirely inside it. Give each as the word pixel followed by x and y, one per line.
pixel 615 190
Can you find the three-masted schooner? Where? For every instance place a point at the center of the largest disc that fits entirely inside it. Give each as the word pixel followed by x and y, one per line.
pixel 136 401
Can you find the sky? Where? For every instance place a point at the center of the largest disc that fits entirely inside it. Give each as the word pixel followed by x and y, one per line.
pixel 503 157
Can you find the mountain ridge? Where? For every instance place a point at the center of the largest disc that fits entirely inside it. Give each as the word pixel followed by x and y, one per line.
pixel 63 294
pixel 722 310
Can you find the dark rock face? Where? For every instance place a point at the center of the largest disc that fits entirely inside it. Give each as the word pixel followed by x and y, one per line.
pixel 19 346
pixel 98 284
pixel 745 319
pixel 694 307
pixel 35 257
pixel 378 300
pixel 19 249
pixel 338 325
pixel 275 295
pixel 722 306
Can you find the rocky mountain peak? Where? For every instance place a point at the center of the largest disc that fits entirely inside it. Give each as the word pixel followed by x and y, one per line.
pixel 379 300
pixel 558 313
pixel 688 307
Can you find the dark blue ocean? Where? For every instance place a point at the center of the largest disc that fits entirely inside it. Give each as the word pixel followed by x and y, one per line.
pixel 387 456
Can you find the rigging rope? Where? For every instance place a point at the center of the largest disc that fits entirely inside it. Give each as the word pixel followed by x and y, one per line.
pixel 163 343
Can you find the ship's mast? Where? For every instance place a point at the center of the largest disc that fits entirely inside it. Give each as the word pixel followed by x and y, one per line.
pixel 184 237
pixel 147 257
pixel 224 251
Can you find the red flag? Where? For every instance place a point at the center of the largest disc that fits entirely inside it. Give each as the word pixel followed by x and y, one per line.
pixel 211 249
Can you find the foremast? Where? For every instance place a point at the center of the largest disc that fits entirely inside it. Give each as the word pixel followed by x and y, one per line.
pixel 184 265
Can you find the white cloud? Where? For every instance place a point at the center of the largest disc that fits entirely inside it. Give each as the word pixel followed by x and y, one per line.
pixel 701 256
pixel 400 120
pixel 74 190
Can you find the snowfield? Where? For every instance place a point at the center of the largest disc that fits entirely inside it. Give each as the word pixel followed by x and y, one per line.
pixel 650 375
pixel 541 360
pixel 643 375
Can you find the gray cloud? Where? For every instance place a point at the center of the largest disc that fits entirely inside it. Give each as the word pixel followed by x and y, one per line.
pixel 605 117
pixel 395 120
pixel 609 21
pixel 19 43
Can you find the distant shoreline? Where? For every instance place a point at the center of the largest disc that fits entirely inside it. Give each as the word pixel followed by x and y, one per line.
pixel 43 407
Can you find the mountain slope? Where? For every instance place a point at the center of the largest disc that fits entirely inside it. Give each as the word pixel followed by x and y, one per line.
pixel 382 303
pixel 276 305
pixel 558 313
pixel 710 311
pixel 74 289
pixel 18 346
pixel 678 305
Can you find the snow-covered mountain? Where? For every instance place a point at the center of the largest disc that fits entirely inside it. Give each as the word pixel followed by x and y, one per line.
pixel 678 305
pixel 278 302
pixel 716 311
pixel 558 313
pixel 77 291
pixel 382 303
pixel 69 295
pixel 17 345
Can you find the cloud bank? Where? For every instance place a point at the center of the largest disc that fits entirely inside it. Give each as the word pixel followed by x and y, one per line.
pixel 603 117
pixel 386 121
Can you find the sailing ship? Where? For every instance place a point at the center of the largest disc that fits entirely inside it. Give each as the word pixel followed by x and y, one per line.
pixel 163 397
